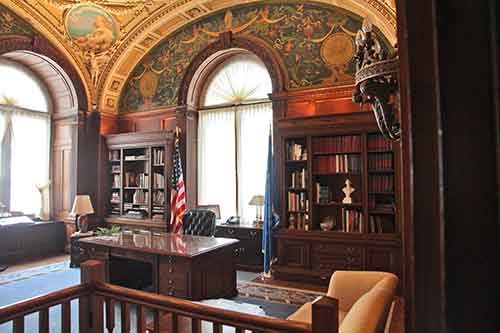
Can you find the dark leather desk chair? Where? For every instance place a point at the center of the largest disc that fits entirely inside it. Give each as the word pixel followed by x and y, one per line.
pixel 199 222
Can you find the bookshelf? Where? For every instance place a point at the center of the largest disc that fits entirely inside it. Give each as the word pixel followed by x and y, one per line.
pixel 139 165
pixel 319 232
pixel 314 183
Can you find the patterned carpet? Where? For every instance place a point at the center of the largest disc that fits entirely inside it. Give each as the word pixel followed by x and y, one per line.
pixel 284 295
pixel 276 294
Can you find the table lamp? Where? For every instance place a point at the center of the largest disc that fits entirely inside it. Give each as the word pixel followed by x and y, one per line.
pixel 258 202
pixel 82 206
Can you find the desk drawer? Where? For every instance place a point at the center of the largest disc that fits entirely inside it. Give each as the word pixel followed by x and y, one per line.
pixel 133 255
pixel 239 233
pixel 96 252
pixel 174 285
pixel 334 257
pixel 173 266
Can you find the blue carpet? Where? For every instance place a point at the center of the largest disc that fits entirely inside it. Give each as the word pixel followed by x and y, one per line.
pixel 35 283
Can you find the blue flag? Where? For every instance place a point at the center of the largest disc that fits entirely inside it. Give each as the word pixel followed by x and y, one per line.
pixel 271 219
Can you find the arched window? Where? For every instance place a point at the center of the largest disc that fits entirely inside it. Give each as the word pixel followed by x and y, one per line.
pixel 233 130
pixel 24 138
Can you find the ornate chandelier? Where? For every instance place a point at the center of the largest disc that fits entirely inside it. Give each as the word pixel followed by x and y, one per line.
pixel 377 81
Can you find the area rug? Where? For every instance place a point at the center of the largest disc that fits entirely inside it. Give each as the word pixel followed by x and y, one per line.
pixel 6 278
pixel 276 294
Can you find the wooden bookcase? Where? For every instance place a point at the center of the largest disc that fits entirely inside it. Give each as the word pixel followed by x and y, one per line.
pixel 139 169
pixel 364 234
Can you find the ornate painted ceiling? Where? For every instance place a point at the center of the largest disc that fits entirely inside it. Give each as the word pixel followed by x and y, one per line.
pixel 126 30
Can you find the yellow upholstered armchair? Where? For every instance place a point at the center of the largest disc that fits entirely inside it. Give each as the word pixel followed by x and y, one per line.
pixel 365 299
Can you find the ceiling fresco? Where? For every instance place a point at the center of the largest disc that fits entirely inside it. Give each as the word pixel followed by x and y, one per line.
pixel 107 39
pixel 316 44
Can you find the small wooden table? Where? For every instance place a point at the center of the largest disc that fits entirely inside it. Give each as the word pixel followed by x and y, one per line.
pixel 190 267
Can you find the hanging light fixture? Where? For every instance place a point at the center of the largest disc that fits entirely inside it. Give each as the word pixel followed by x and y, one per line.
pixel 377 81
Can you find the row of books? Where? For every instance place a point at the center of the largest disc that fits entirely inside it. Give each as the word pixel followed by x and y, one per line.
pixel 133 179
pixel 323 194
pixel 114 155
pixel 158 181
pixel 140 197
pixel 297 201
pixel 352 220
pixel 135 157
pixel 298 179
pixel 381 224
pixel 381 183
pixel 380 162
pixel 378 142
pixel 340 163
pixel 116 181
pixel 296 151
pixel 298 221
pixel 158 217
pixel 159 198
pixel 158 156
pixel 337 144
pixel 381 202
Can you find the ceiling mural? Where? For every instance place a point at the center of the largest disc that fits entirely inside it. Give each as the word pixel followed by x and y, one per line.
pixel 10 23
pixel 106 39
pixel 316 44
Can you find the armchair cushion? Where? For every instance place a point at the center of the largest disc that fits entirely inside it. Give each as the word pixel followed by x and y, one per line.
pixel 369 312
pixel 348 286
pixel 364 300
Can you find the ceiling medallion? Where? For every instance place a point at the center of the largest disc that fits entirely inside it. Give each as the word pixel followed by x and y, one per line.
pixel 377 81
pixel 95 32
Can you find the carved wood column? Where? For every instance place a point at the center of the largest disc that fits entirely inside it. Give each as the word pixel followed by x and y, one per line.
pixel 86 163
pixel 187 120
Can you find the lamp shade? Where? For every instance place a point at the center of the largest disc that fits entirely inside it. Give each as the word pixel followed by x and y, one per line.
pixel 82 205
pixel 257 200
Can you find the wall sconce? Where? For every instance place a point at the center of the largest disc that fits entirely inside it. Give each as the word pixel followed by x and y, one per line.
pixel 377 81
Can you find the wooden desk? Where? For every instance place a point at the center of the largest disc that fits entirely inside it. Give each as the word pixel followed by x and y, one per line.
pixel 249 249
pixel 190 267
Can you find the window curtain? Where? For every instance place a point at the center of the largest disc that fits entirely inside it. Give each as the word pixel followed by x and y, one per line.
pixel 254 123
pixel 217 160
pixel 3 116
pixel 30 159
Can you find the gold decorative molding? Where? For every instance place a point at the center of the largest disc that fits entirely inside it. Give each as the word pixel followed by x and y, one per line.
pixel 143 24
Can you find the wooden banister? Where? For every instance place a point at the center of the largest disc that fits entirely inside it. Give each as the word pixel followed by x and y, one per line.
pixel 325 315
pixel 199 311
pixel 173 315
pixel 21 309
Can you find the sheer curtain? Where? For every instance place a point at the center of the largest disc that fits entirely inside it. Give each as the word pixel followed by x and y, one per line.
pixel 253 132
pixel 2 132
pixel 217 160
pixel 30 159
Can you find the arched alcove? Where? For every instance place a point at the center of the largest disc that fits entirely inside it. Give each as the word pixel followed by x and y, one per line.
pixel 214 54
pixel 66 97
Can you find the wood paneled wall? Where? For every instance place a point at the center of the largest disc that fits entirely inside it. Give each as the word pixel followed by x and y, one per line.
pixel 62 166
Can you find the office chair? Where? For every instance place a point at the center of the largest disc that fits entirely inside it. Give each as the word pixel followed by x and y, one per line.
pixel 199 222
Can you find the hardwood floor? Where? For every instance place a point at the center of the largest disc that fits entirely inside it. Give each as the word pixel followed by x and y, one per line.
pixel 35 262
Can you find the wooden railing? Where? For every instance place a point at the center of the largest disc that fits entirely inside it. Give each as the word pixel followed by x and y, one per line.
pixel 153 312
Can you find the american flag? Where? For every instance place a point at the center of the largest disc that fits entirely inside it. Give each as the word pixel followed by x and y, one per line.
pixel 178 193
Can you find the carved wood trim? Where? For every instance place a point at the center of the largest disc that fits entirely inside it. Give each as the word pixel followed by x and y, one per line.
pixel 41 46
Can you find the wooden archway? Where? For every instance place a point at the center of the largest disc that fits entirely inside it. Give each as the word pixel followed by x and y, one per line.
pixel 41 46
